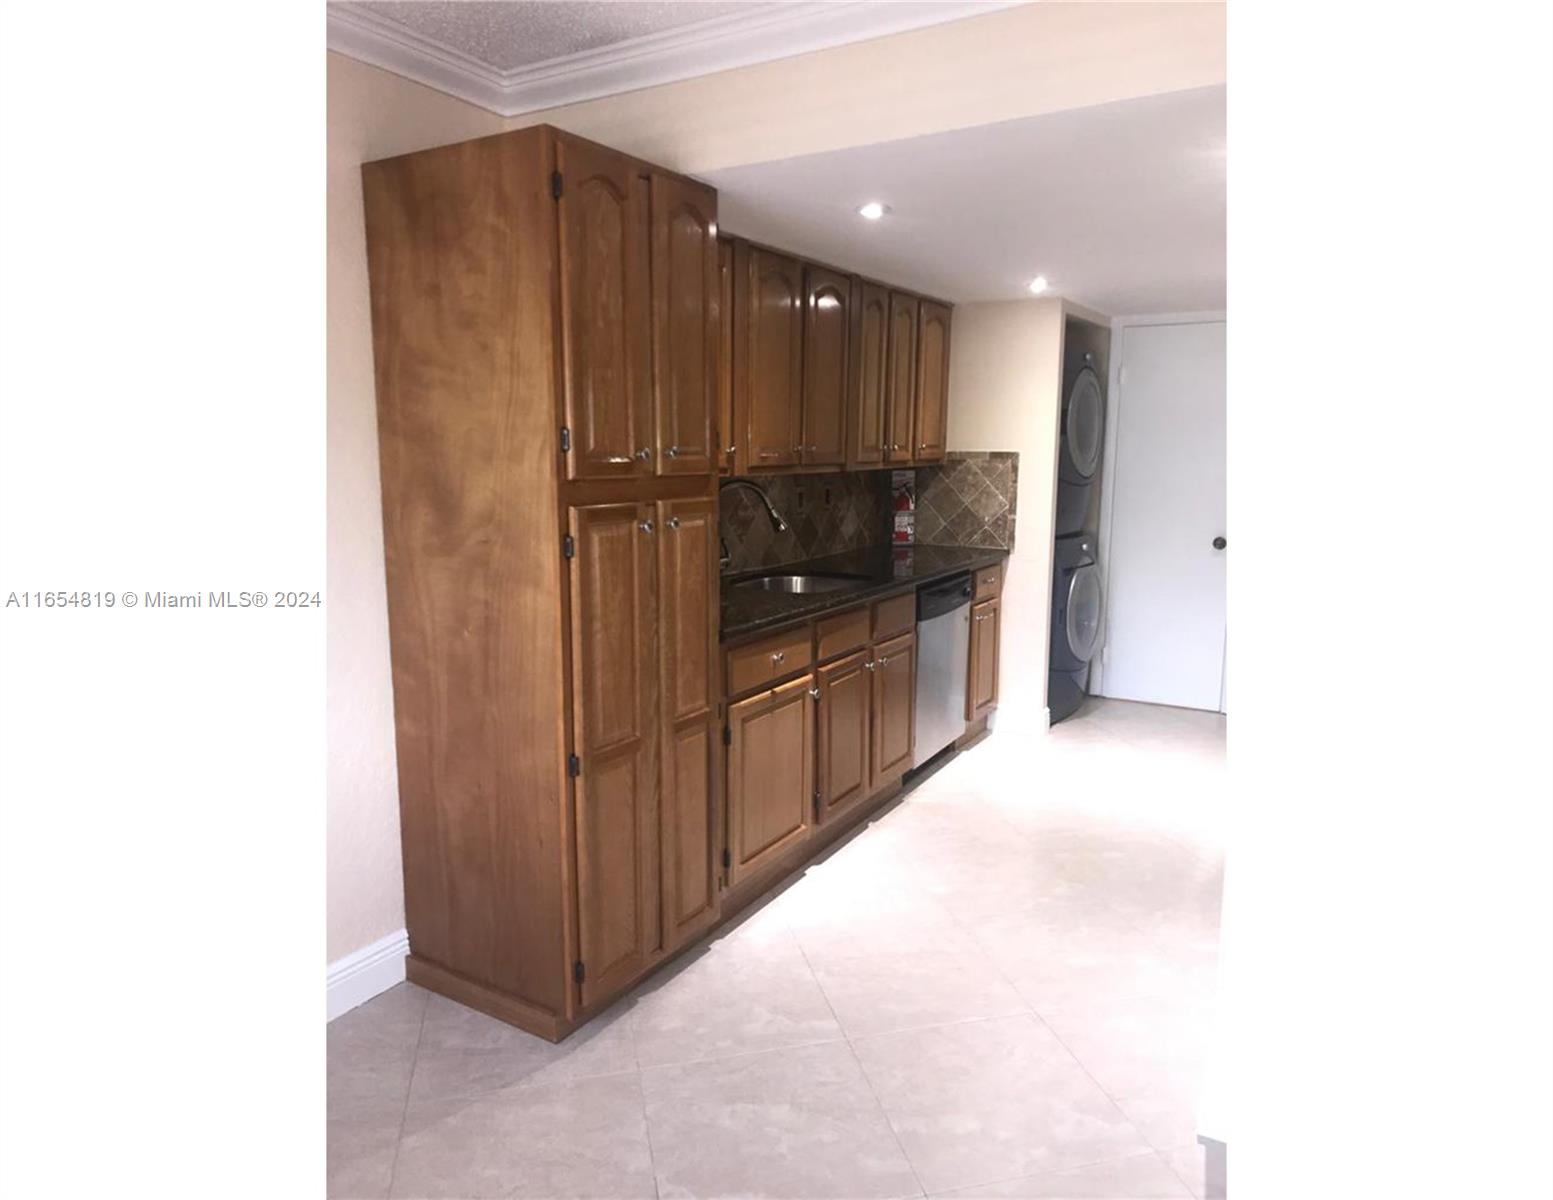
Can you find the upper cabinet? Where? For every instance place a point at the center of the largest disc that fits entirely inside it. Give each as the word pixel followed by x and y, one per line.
pixel 769 360
pixel 726 427
pixel 606 352
pixel 826 333
pixel 639 316
pixel 685 324
pixel 870 347
pixel 900 378
pixel 932 406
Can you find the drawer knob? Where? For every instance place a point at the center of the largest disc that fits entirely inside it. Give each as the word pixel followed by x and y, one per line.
pixel 779 656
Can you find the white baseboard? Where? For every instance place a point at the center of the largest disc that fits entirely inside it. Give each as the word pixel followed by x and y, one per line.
pixel 364 973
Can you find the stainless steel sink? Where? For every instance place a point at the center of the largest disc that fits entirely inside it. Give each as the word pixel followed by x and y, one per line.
pixel 801 584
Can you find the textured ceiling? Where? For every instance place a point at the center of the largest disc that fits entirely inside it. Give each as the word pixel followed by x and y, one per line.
pixel 509 35
pixel 1121 206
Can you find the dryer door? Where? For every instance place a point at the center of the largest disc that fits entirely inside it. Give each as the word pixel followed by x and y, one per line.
pixel 1082 619
pixel 1083 427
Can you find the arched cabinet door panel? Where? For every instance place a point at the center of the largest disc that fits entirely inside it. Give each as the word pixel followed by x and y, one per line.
pixel 606 353
pixel 900 378
pixel 685 324
pixel 932 423
pixel 827 318
pixel 771 367
pixel 868 365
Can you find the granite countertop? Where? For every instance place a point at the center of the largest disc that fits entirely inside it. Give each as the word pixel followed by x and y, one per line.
pixel 880 570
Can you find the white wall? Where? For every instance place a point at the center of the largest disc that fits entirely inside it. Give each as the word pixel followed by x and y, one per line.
pixel 1005 382
pixel 372 114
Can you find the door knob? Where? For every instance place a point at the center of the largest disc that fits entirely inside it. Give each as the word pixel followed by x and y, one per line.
pixel 645 526
pixel 672 452
pixel 644 454
pixel 1219 543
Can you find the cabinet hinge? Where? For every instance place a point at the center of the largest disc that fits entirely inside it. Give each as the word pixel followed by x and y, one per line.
pixel 555 184
pixel 727 858
pixel 566 439
pixel 573 766
pixel 727 736
pixel 579 973
pixel 568 547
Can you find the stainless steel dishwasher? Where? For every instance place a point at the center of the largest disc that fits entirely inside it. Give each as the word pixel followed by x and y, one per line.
pixel 943 661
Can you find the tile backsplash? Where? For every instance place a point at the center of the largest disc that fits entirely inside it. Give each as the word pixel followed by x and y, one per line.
pixel 969 500
pixel 825 514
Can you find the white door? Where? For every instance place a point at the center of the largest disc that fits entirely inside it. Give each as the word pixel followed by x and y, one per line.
pixel 1164 639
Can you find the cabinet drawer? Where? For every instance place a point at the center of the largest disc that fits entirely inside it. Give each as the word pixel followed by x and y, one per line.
pixel 772 658
pixel 841 633
pixel 989 581
pixel 895 615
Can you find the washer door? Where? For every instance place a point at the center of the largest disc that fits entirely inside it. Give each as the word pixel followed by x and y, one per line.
pixel 1083 612
pixel 1084 424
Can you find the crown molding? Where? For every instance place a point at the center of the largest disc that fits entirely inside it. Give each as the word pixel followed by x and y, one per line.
pixel 718 44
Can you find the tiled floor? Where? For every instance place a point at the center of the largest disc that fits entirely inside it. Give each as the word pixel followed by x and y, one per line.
pixel 999 988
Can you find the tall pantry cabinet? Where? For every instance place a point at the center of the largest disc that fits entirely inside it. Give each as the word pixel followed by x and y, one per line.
pixel 546 329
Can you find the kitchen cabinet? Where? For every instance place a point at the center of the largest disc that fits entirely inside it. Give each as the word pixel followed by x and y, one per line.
pixel 685 324
pixel 827 331
pixel 932 383
pixel 687 582
pixel 868 367
pixel 900 380
pixel 770 775
pixel 982 685
pixel 604 277
pixel 727 430
pixel 614 708
pixel 894 701
pixel 842 753
pixel 769 361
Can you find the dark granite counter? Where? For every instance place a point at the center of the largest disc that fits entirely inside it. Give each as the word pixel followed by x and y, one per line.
pixel 880 570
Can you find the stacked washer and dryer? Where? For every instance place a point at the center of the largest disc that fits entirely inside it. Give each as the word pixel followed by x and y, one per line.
pixel 1077 599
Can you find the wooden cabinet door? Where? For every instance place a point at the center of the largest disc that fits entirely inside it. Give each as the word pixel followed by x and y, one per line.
pixel 842 757
pixel 932 421
pixel 869 367
pixel 727 433
pixel 684 324
pixel 982 686
pixel 827 302
pixel 687 641
pixel 900 378
pixel 771 368
pixel 770 775
pixel 614 708
pixel 895 706
pixel 606 354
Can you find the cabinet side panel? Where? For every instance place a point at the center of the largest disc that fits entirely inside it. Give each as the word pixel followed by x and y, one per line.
pixel 461 252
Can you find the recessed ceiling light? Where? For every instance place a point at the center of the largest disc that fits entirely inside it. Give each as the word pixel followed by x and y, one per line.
pixel 1039 284
pixel 873 210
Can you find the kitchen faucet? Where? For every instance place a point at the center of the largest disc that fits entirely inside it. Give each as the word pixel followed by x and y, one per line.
pixel 777 523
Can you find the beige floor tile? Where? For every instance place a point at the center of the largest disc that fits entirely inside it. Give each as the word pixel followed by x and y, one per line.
pixel 583 1139
pixel 749 995
pixel 464 1053
pixel 881 993
pixel 790 1123
pixel 1189 1166
pixel 990 1100
pixel 1142 1177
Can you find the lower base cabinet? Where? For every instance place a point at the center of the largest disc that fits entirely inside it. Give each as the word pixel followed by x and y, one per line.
pixel 895 706
pixel 982 681
pixel 770 775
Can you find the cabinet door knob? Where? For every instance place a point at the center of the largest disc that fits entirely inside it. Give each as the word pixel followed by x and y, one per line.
pixel 732 449
pixel 814 693
pixel 869 665
pixel 671 452
pixel 645 526
pixel 673 522
pixel 644 454
pixel 1219 543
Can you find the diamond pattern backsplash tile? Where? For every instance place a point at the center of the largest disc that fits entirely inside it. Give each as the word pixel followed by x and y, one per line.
pixel 825 514
pixel 969 500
